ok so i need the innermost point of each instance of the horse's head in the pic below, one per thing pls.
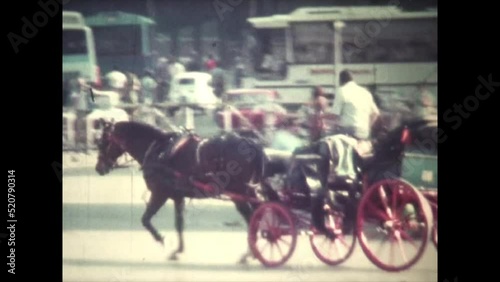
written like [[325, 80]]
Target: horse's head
[[109, 147], [391, 144]]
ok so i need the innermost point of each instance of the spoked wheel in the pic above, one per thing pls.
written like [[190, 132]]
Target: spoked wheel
[[435, 234], [435, 226], [272, 235], [333, 251], [393, 224]]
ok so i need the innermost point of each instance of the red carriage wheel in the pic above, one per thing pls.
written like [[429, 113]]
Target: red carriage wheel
[[393, 224], [333, 251], [435, 226], [435, 235], [272, 235]]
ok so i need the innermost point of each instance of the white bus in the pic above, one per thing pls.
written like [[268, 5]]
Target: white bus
[[79, 55], [389, 50]]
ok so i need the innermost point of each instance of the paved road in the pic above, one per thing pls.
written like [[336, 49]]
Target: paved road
[[103, 239]]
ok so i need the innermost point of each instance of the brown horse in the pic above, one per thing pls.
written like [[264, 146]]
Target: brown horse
[[178, 165]]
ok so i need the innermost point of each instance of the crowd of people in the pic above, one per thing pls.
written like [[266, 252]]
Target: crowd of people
[[153, 85]]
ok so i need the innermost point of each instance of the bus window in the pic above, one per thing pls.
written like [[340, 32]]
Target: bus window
[[74, 42], [401, 41], [118, 40], [268, 52], [313, 42]]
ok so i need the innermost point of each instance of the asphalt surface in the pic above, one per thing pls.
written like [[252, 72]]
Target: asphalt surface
[[103, 238]]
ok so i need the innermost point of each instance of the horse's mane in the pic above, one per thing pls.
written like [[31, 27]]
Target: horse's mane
[[133, 129]]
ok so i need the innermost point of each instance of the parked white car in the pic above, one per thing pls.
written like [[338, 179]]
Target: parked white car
[[195, 88]]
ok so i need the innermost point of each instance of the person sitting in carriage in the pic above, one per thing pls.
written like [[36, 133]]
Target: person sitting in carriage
[[354, 113]]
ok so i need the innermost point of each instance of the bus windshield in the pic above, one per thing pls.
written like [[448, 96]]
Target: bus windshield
[[118, 40], [74, 42]]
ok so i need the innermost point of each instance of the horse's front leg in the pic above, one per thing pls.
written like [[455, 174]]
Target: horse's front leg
[[157, 200], [245, 209], [179, 226]]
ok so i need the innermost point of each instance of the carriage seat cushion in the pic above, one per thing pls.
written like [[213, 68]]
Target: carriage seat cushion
[[364, 149]]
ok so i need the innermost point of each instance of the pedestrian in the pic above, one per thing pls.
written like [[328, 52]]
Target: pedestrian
[[149, 86], [218, 79], [162, 75], [80, 96], [319, 106], [239, 71], [210, 64]]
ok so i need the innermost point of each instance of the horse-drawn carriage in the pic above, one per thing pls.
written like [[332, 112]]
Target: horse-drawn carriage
[[375, 206], [391, 217]]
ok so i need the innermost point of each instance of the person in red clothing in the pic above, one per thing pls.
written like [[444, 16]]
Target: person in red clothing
[[211, 63], [319, 106]]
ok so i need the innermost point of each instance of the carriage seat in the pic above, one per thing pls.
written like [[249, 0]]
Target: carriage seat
[[277, 161], [347, 157]]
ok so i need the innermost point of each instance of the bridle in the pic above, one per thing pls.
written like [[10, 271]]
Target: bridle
[[112, 140]]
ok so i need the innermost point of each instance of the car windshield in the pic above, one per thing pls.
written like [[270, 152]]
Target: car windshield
[[102, 102], [186, 81]]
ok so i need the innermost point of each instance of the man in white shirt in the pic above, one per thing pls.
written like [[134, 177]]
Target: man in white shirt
[[354, 108], [354, 111]]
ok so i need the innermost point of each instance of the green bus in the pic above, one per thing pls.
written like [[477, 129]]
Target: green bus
[[79, 54], [123, 41]]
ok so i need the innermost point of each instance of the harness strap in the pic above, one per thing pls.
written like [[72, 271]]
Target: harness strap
[[198, 149], [148, 152]]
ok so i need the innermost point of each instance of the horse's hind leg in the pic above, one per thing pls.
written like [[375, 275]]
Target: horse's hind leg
[[179, 225], [156, 201]]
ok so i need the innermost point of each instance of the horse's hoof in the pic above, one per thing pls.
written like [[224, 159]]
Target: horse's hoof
[[243, 262], [161, 241], [173, 257]]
